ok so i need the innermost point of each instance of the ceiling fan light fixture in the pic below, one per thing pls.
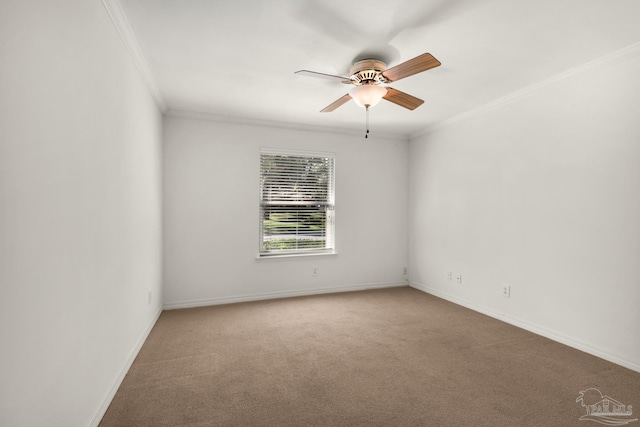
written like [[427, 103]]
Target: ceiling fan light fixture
[[367, 95]]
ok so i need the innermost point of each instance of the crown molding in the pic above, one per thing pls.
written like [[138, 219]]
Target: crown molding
[[529, 90], [120, 21], [281, 125]]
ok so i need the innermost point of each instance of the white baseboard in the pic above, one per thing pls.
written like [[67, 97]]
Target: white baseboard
[[273, 295], [531, 327], [106, 401]]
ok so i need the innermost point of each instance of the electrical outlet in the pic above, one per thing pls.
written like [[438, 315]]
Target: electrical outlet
[[314, 273], [404, 271], [459, 278], [506, 291], [450, 276]]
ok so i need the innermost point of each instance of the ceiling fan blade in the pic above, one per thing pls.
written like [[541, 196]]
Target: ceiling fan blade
[[323, 76], [335, 104], [413, 66], [402, 99]]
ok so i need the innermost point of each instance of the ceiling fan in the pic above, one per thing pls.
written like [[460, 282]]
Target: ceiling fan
[[368, 77]]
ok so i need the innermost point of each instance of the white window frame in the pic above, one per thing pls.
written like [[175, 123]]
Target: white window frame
[[294, 200]]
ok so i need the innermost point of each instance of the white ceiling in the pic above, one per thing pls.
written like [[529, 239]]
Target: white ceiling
[[237, 58]]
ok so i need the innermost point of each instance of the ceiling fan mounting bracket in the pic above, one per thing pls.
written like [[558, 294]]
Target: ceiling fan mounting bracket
[[367, 72]]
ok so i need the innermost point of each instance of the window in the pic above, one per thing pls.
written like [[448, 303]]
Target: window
[[296, 203]]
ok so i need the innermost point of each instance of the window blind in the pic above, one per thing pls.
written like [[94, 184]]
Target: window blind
[[296, 203]]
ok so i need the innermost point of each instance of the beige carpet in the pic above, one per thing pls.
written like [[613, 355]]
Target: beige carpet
[[390, 357]]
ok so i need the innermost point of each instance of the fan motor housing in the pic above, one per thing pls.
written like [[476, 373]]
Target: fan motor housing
[[367, 71]]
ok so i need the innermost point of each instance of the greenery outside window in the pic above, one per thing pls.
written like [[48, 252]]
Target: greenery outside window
[[296, 203]]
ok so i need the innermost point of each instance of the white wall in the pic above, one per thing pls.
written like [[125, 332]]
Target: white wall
[[79, 212], [211, 181], [543, 194]]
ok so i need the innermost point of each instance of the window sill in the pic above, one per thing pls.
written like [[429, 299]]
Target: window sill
[[282, 257]]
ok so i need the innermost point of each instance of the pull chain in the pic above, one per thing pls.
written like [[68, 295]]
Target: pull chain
[[366, 135]]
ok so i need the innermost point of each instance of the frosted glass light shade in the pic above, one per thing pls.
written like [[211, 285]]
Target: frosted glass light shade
[[367, 95]]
